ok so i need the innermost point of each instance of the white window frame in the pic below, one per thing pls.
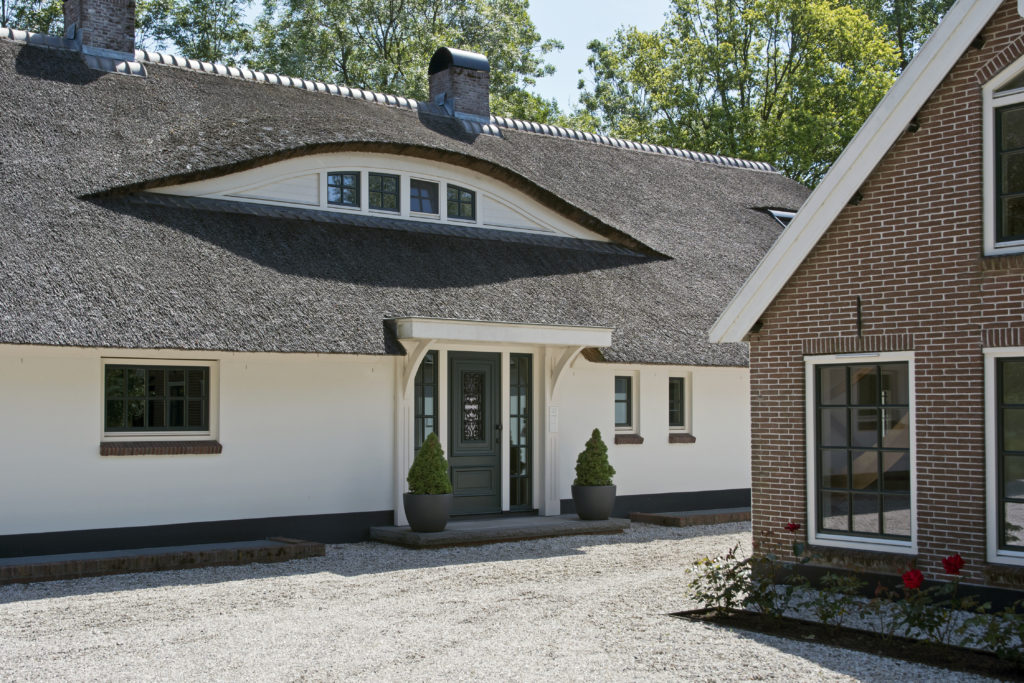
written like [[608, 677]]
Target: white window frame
[[991, 103], [687, 403], [994, 553], [213, 433], [634, 390], [845, 540]]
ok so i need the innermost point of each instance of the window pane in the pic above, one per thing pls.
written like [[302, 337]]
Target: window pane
[[896, 428], [114, 382], [156, 413], [621, 415], [833, 385], [422, 196], [896, 471], [622, 388], [156, 383], [375, 182], [1013, 172], [1012, 222], [1013, 476], [389, 184], [864, 383], [834, 469], [895, 385], [1013, 524], [865, 514], [865, 470], [1013, 382], [176, 414], [136, 381], [1013, 429], [865, 427], [196, 414], [833, 427], [136, 414], [1011, 120], [896, 521], [115, 414], [835, 510]]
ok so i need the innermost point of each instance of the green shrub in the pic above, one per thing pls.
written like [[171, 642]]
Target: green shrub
[[429, 471], [592, 466]]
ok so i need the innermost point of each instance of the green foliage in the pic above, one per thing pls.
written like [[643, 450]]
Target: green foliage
[[835, 599], [385, 45], [907, 23], [38, 16], [1002, 632], [208, 30], [429, 471], [720, 582], [783, 81], [592, 466]]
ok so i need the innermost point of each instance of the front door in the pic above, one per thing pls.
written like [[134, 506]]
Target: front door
[[474, 443]]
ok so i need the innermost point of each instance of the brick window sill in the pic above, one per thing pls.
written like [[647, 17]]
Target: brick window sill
[[681, 437], [635, 439], [160, 448]]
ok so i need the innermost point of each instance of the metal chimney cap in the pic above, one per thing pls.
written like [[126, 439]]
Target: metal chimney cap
[[446, 57]]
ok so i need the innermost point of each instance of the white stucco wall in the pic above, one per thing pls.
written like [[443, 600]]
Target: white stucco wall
[[719, 419], [302, 435]]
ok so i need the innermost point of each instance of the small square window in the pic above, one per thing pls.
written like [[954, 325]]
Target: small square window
[[676, 402], [343, 189], [623, 402], [423, 196], [461, 203], [384, 192]]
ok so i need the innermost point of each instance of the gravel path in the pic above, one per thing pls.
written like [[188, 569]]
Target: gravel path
[[588, 608]]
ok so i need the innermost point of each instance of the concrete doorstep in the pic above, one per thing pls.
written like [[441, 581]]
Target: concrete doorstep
[[692, 517], [496, 530], [79, 565]]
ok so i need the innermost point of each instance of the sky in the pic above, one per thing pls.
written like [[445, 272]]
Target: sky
[[576, 23]]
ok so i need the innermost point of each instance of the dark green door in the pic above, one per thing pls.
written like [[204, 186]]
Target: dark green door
[[474, 441]]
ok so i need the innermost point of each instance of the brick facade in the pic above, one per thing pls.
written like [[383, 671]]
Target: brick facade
[[912, 250], [105, 24]]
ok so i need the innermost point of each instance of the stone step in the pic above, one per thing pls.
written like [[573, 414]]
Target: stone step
[[692, 517]]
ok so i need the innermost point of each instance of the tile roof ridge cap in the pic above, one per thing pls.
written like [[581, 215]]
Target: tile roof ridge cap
[[598, 138]]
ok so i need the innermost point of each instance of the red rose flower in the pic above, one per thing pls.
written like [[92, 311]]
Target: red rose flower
[[792, 526], [913, 579], [953, 564]]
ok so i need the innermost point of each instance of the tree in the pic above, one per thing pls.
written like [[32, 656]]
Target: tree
[[908, 23], [385, 45], [207, 30], [38, 16], [783, 81]]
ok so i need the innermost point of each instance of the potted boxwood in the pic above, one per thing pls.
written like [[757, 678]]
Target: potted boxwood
[[430, 490], [593, 492]]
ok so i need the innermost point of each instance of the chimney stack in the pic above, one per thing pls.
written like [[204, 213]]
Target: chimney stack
[[105, 28], [460, 81]]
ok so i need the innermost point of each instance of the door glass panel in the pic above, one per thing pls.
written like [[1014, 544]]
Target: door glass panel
[[865, 427], [1013, 382], [833, 427], [896, 471], [472, 406], [520, 426], [896, 428], [864, 382], [833, 385]]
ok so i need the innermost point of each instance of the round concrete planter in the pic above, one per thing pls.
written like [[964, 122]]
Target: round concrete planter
[[594, 502], [427, 513]]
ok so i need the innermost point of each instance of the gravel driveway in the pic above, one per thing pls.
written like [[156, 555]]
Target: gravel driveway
[[574, 608]]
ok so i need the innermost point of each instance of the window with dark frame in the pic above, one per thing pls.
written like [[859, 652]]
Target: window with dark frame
[[676, 402], [423, 196], [862, 446], [461, 203], [1010, 450], [1009, 141], [148, 398], [520, 432], [425, 399], [623, 402], [383, 191], [343, 189]]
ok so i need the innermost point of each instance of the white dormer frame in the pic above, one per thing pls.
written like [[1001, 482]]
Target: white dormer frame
[[991, 102], [498, 206]]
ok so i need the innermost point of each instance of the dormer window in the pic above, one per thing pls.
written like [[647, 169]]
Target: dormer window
[[461, 203], [384, 192], [423, 197], [343, 189]]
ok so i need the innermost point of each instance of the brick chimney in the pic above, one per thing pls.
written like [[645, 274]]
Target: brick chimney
[[460, 81], [106, 28]]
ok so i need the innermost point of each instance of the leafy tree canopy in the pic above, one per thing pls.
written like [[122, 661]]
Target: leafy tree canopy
[[783, 81], [385, 45], [208, 30], [907, 23], [38, 16]]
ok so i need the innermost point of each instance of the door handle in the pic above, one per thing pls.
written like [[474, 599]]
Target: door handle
[[497, 433]]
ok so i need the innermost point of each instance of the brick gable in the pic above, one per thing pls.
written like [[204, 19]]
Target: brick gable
[[912, 251]]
